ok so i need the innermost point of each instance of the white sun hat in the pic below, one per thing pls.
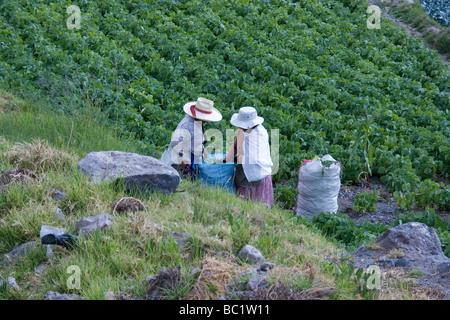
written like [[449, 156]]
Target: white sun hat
[[203, 109], [246, 118]]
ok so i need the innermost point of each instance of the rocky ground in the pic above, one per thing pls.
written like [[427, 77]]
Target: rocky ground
[[387, 208], [416, 253]]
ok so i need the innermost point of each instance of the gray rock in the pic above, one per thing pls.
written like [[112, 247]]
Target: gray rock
[[142, 172], [250, 254], [90, 224], [256, 283], [401, 263], [49, 252], [444, 268], [41, 268], [45, 230], [195, 271], [266, 266], [180, 238], [411, 237], [58, 196], [386, 262], [15, 254], [11, 281], [51, 295], [59, 214], [244, 295]]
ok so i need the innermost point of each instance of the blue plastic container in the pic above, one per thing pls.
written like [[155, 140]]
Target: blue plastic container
[[217, 174]]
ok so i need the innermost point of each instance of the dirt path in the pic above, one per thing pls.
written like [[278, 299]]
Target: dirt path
[[409, 30]]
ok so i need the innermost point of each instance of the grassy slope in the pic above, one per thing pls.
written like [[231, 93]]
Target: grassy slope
[[311, 68], [136, 245]]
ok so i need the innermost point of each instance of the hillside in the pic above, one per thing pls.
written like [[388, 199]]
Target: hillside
[[140, 243], [312, 68], [377, 100]]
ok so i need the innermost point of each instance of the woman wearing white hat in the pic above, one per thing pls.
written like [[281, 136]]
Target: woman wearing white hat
[[251, 152], [187, 143]]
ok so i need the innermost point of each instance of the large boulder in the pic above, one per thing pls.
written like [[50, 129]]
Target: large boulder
[[142, 172], [420, 248], [412, 237]]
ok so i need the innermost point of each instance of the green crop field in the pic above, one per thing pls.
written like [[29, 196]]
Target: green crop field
[[377, 100], [312, 69]]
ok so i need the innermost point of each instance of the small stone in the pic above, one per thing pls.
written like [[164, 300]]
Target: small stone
[[401, 263], [195, 271], [49, 253], [434, 252], [179, 237], [388, 263], [266, 266], [58, 196], [11, 281], [59, 214], [250, 254], [94, 223], [15, 254], [45, 230], [256, 283], [41, 268], [51, 295]]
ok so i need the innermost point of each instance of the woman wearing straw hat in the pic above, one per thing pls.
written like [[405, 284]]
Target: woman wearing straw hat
[[251, 152], [187, 143]]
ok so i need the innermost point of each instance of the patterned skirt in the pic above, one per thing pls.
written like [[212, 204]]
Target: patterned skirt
[[262, 193]]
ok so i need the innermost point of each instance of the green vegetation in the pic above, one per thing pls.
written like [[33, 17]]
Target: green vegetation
[[365, 201], [137, 244], [376, 100], [340, 228], [435, 34], [311, 68]]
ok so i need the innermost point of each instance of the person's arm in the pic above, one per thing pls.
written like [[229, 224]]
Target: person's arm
[[231, 153]]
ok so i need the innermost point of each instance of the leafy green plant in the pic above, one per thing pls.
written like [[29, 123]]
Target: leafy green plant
[[365, 201], [342, 229]]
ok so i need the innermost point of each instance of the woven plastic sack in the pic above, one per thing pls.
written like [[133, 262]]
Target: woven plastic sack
[[217, 174], [318, 187]]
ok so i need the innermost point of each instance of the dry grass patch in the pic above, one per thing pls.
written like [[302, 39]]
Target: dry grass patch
[[213, 280], [38, 156], [127, 204]]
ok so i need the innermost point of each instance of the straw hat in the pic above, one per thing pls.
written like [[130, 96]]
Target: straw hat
[[203, 109], [246, 118]]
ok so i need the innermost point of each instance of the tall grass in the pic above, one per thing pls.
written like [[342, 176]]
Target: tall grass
[[82, 133]]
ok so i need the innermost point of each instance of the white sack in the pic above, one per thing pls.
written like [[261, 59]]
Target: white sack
[[318, 187]]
